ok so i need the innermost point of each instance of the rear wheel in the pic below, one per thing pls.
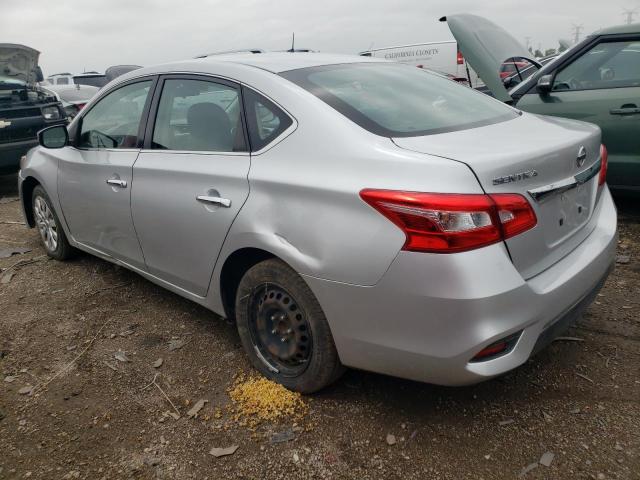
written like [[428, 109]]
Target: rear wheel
[[284, 330], [52, 235]]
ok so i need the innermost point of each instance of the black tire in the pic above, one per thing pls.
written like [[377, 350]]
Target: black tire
[[47, 222], [272, 286]]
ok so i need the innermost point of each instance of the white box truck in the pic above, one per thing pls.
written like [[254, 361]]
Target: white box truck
[[442, 57]]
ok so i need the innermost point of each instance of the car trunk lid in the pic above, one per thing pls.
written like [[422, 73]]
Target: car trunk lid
[[486, 46], [536, 157]]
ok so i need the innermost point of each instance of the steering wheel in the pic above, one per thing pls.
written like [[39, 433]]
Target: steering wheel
[[569, 84], [575, 84], [101, 136]]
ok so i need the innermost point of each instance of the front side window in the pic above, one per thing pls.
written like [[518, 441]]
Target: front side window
[[198, 115], [606, 65], [115, 120], [265, 120], [395, 100], [62, 81]]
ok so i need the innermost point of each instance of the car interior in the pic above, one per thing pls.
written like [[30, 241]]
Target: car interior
[[197, 115]]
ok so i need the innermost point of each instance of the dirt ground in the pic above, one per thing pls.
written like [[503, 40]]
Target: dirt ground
[[579, 400]]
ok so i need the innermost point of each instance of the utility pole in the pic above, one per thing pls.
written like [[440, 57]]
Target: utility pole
[[528, 40], [576, 31], [629, 14]]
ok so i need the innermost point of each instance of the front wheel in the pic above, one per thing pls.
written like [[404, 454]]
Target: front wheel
[[51, 233], [284, 330]]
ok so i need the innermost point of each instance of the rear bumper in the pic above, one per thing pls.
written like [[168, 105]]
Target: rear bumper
[[430, 314], [10, 154]]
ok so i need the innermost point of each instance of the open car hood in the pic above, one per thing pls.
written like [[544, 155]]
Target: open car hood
[[19, 62], [486, 46]]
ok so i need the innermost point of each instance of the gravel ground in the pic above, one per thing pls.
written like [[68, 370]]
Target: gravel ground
[[575, 406]]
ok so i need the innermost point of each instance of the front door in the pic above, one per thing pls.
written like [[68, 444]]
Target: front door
[[190, 179], [601, 86], [95, 175]]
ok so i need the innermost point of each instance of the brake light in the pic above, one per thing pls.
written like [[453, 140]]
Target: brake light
[[604, 163], [449, 223], [515, 213], [460, 58]]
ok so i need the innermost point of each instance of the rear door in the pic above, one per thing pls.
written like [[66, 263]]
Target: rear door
[[601, 85], [95, 175], [190, 178]]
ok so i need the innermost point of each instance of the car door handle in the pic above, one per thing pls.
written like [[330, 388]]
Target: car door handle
[[117, 183], [625, 110], [224, 202]]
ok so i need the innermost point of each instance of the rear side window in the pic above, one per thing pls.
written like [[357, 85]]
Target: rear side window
[[265, 120], [395, 100], [198, 115]]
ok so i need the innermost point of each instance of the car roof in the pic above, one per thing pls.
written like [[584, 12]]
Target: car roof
[[278, 62], [618, 29]]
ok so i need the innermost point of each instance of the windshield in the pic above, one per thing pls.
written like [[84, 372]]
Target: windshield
[[9, 83], [395, 100]]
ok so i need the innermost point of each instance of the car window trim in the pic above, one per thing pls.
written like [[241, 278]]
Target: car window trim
[[143, 118], [558, 71], [286, 132], [566, 60], [207, 75], [155, 103]]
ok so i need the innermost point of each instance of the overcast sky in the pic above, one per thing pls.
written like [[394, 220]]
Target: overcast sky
[[79, 35]]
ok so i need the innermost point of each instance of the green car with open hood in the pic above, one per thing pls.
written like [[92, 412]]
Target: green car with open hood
[[597, 81]]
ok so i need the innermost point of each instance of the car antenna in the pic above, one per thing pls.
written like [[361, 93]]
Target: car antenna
[[293, 42]]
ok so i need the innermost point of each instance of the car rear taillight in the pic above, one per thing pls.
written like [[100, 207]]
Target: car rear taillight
[[449, 223], [604, 163], [514, 212], [459, 58]]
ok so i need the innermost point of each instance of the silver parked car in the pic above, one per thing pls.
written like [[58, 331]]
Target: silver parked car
[[344, 211]]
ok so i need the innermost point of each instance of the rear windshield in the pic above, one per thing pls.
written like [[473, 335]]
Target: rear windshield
[[395, 100]]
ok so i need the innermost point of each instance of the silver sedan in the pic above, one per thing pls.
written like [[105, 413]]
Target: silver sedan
[[344, 211]]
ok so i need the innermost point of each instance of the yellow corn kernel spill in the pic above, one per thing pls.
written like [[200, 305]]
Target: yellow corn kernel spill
[[260, 399]]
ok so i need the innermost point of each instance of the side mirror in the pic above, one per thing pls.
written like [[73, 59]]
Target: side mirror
[[54, 137], [545, 84]]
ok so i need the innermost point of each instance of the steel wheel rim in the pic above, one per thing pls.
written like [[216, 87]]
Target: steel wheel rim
[[280, 330], [46, 223]]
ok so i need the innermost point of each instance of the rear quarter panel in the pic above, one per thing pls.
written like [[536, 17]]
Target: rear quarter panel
[[304, 204]]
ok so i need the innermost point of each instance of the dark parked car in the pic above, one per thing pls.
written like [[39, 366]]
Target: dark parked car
[[597, 81], [25, 107]]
